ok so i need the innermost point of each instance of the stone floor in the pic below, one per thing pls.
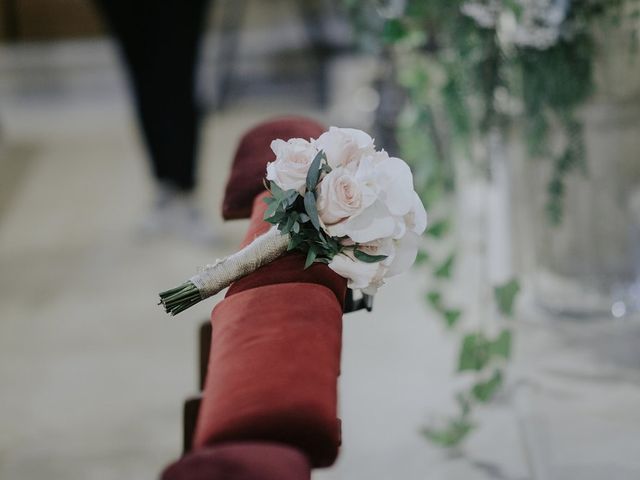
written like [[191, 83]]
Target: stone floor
[[92, 373]]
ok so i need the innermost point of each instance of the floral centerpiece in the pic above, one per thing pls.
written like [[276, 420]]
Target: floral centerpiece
[[335, 198]]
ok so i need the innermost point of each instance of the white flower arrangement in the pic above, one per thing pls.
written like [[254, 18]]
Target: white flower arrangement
[[525, 23], [337, 199]]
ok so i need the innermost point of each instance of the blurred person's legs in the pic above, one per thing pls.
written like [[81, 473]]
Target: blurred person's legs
[[160, 41]]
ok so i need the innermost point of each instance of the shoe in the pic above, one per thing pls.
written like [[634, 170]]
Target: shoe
[[176, 214]]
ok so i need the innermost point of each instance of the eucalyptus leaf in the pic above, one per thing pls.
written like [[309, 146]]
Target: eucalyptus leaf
[[311, 209], [313, 174], [365, 257], [271, 210], [311, 256], [275, 190], [290, 197], [294, 242]]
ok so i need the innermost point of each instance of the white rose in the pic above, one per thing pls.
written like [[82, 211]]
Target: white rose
[[344, 145], [391, 198], [359, 274], [364, 275], [341, 194], [395, 182], [405, 253], [293, 159], [416, 219]]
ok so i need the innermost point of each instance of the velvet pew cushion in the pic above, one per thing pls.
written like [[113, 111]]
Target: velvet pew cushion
[[252, 155], [241, 461], [273, 370], [288, 268]]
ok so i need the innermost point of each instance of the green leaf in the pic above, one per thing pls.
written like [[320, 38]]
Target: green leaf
[[304, 218], [365, 257], [296, 227], [394, 30], [311, 256], [485, 391], [451, 317], [452, 434], [275, 190], [501, 346], [422, 257], [288, 225], [313, 174], [446, 268], [438, 229], [505, 296], [270, 211], [294, 242], [311, 209], [290, 197], [474, 354], [435, 299]]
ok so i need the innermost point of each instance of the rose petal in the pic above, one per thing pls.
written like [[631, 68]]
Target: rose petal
[[373, 223], [405, 254], [397, 185]]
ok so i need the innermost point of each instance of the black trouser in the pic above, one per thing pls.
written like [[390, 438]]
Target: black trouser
[[160, 42]]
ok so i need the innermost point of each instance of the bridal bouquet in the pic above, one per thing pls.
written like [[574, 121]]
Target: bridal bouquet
[[338, 200]]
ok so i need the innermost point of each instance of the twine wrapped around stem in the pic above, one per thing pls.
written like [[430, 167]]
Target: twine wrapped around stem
[[219, 275]]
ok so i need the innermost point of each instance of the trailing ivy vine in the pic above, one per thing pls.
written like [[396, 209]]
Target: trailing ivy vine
[[469, 69]]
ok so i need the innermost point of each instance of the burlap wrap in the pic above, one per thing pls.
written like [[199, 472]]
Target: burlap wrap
[[264, 249]]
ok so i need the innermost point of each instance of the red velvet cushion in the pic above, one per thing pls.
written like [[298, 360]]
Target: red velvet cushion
[[288, 268], [251, 158], [273, 370], [241, 461]]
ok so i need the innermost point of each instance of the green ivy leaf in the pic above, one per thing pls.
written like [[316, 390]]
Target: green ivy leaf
[[451, 317], [501, 346], [505, 296], [474, 354], [365, 257], [311, 209], [394, 30], [452, 434], [446, 268], [422, 257], [485, 391], [438, 229], [313, 174], [435, 299]]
